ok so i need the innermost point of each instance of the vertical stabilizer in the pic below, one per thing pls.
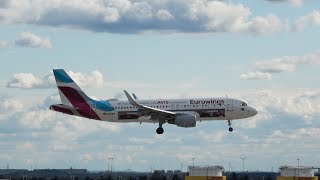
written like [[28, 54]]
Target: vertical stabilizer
[[75, 99], [70, 93]]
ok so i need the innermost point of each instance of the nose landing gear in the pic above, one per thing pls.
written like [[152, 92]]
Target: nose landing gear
[[229, 124]]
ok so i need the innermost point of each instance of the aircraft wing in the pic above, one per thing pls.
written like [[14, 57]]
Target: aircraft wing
[[154, 112]]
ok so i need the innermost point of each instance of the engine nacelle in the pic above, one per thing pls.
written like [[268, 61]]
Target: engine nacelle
[[186, 120]]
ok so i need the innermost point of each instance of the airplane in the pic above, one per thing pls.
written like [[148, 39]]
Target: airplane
[[180, 112]]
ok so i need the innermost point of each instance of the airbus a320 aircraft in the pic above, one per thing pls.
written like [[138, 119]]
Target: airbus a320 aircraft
[[181, 112]]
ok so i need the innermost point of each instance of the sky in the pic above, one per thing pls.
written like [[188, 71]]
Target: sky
[[265, 52]]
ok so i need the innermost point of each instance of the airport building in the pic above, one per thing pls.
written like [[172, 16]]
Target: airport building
[[205, 173], [296, 173]]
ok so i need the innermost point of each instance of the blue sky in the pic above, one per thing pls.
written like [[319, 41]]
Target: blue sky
[[265, 52]]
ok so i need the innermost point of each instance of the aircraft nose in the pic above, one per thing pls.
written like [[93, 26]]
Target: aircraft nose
[[254, 111]]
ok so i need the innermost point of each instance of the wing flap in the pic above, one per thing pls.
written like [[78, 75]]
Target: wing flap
[[154, 111]]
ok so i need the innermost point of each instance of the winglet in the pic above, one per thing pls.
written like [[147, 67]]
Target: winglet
[[134, 96], [131, 100]]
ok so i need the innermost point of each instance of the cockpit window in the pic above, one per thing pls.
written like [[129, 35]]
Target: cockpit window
[[243, 104]]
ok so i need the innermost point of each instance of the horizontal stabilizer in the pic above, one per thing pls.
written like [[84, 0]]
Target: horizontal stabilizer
[[62, 108]]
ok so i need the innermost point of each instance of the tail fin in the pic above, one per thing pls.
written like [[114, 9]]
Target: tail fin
[[72, 96], [70, 93]]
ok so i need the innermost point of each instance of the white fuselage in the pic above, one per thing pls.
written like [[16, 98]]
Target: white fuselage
[[204, 108]]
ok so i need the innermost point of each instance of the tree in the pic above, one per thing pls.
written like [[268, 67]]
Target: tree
[[234, 176], [246, 177], [269, 177], [156, 176], [175, 177], [143, 177], [109, 177]]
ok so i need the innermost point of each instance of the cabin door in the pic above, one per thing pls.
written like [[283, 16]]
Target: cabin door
[[230, 105]]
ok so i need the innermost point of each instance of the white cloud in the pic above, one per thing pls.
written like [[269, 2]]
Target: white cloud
[[49, 100], [297, 2], [140, 11], [128, 16], [30, 81], [293, 2], [95, 78], [4, 44], [92, 79], [28, 39], [309, 19], [302, 104], [265, 69], [276, 65], [26, 147], [287, 63], [112, 15], [268, 24], [141, 140], [256, 75], [86, 157], [281, 136], [305, 105], [213, 137], [9, 104], [37, 119], [219, 16], [164, 15]]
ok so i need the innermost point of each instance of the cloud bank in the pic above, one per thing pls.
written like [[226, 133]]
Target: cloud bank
[[28, 39], [264, 69], [130, 16], [63, 139], [8, 104], [256, 75], [312, 19], [92, 79], [30, 81], [293, 2]]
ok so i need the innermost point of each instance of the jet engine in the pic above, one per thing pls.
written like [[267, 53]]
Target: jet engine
[[186, 120]]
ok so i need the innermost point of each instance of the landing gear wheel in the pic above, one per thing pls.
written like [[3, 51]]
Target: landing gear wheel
[[229, 124], [160, 130]]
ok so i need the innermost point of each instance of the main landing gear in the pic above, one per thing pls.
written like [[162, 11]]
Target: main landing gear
[[160, 129], [230, 128]]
